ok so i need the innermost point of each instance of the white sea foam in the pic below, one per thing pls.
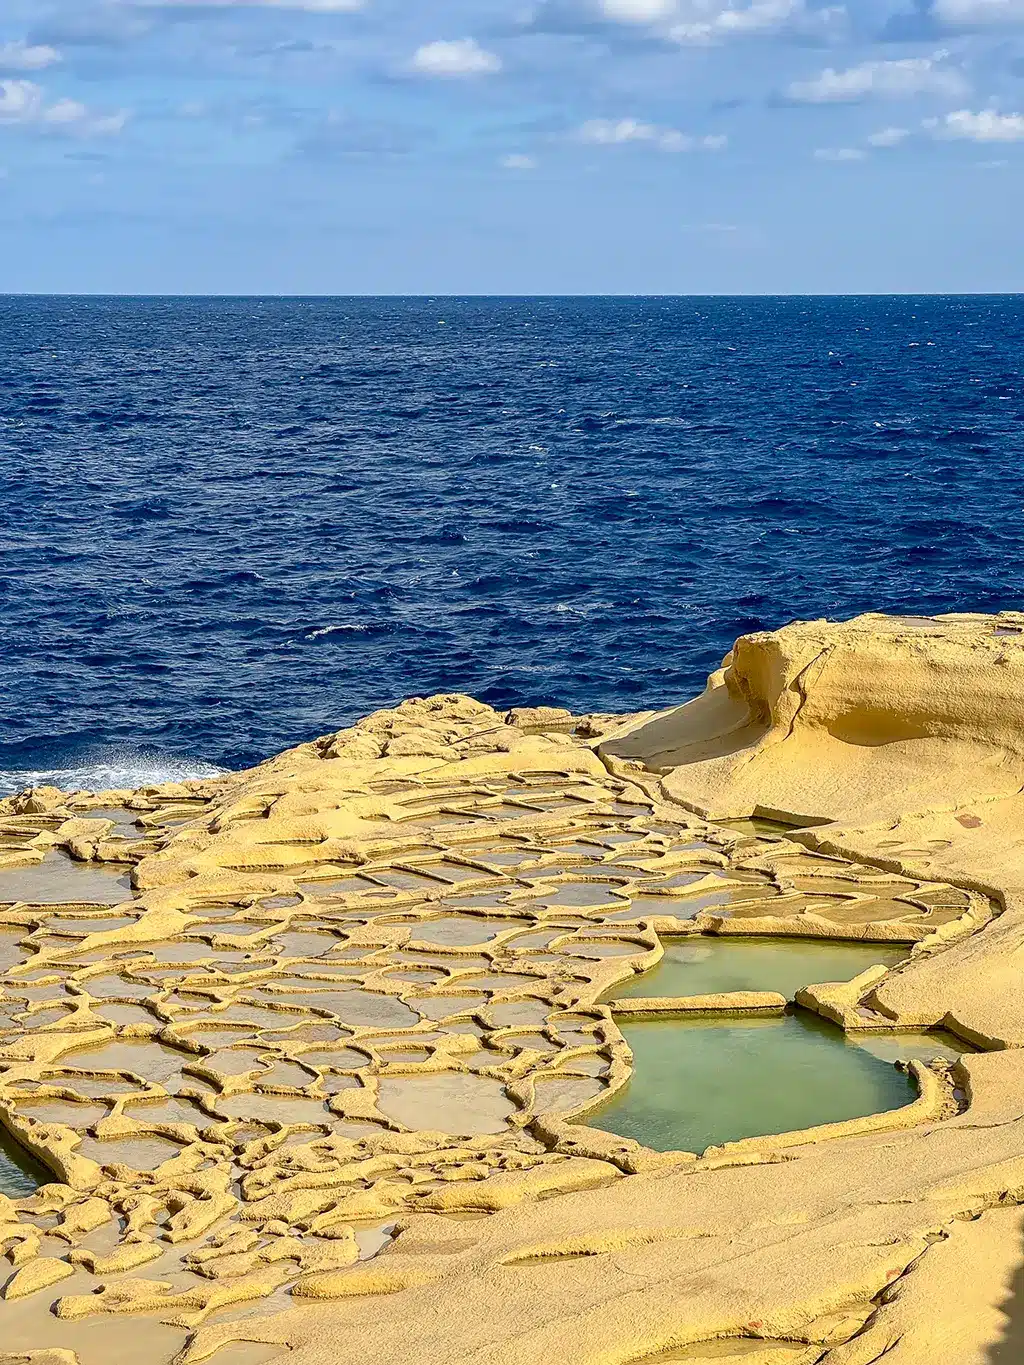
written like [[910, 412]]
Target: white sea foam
[[115, 770], [336, 630]]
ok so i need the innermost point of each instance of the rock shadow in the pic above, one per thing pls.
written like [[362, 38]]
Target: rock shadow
[[1009, 1350]]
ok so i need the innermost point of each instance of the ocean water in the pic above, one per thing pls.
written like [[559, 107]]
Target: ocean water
[[229, 525]]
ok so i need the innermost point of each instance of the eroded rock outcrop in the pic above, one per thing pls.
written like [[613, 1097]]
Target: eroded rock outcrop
[[876, 716]]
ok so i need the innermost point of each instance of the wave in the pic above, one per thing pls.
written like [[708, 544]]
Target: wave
[[169, 629], [110, 771]]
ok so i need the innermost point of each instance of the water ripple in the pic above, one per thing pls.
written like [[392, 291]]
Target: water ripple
[[230, 524]]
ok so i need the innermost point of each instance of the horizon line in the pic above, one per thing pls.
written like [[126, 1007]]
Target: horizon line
[[431, 295]]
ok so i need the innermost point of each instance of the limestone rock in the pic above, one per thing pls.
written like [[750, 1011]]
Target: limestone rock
[[38, 1274]]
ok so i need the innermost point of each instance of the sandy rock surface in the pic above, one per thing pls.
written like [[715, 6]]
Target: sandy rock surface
[[313, 1057]]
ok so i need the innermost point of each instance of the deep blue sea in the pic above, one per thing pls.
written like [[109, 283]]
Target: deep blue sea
[[229, 525]]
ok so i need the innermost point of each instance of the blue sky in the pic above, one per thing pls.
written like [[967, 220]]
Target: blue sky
[[511, 146]]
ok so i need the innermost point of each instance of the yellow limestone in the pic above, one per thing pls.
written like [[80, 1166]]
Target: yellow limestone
[[317, 1088]]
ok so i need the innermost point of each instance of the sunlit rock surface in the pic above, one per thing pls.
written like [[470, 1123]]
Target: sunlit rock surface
[[309, 1052]]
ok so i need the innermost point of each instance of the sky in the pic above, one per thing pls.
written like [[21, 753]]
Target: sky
[[511, 146]]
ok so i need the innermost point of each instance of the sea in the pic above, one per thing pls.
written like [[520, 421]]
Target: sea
[[232, 524]]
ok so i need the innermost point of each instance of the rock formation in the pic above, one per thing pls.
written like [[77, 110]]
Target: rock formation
[[324, 1082]]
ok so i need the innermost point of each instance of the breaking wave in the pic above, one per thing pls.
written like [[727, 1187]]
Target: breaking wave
[[103, 774]]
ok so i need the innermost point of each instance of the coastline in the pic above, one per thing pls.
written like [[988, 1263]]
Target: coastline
[[818, 1240]]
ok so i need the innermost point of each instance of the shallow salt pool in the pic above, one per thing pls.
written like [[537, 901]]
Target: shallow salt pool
[[59, 880], [20, 1175], [705, 966], [705, 1081]]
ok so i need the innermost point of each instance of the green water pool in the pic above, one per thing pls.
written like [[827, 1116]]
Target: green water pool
[[701, 1082], [20, 1175], [704, 965]]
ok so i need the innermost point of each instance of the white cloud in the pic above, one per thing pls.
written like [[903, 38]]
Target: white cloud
[[638, 11], [20, 101], [889, 137], [885, 80], [840, 154], [760, 17], [516, 161], [979, 13], [21, 56], [311, 6], [606, 132], [704, 22], [24, 103], [460, 57], [985, 126]]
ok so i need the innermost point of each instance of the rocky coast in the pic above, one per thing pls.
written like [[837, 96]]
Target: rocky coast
[[321, 1061]]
